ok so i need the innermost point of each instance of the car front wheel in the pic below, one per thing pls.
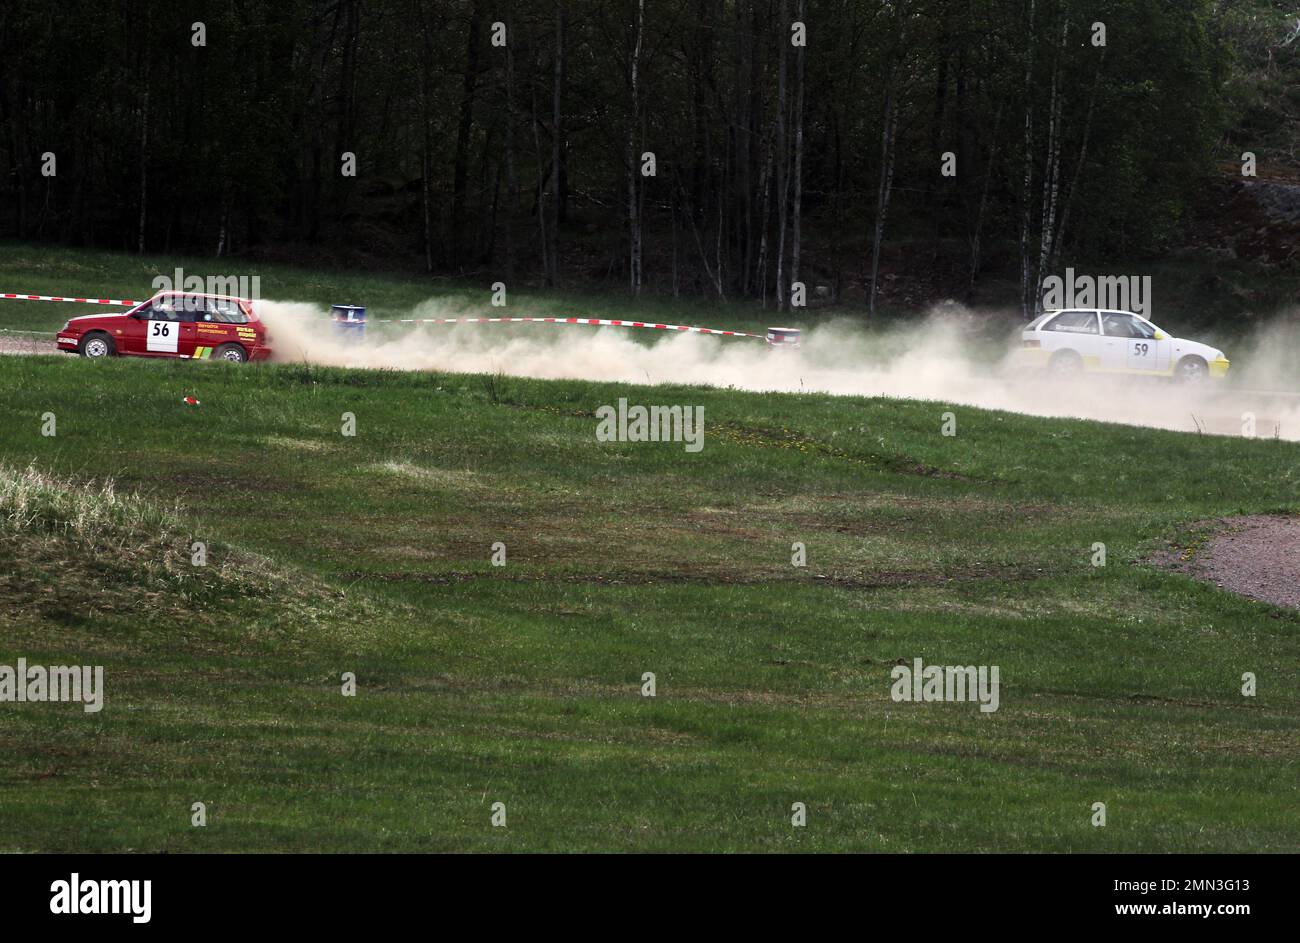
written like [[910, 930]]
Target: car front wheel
[[1191, 370], [231, 352], [97, 345]]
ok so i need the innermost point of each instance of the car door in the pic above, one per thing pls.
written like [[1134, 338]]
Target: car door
[[1114, 342], [1131, 344], [192, 310], [130, 337], [162, 334], [1150, 353], [213, 328]]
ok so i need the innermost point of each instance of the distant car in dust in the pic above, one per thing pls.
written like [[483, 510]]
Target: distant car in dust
[[1073, 341], [184, 325]]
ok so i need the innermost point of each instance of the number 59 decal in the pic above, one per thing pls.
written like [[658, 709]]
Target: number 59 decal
[[1141, 349]]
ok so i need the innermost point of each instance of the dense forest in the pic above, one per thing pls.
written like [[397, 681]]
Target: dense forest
[[717, 147]]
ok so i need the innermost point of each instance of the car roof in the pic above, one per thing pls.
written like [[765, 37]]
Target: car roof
[[198, 294], [1097, 310]]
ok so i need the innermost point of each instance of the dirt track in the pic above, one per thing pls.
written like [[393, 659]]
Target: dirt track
[[27, 343], [1256, 556]]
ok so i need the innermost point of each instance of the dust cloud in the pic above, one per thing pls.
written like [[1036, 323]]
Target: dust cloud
[[943, 358]]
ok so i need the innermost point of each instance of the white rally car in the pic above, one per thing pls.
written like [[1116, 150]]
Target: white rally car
[[1074, 340]]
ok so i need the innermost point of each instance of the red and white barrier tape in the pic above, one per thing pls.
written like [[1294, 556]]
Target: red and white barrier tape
[[599, 322], [86, 301]]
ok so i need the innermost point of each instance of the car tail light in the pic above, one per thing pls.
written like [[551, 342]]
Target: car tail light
[[1031, 343]]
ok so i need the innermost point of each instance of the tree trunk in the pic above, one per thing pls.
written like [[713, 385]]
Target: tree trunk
[[633, 162], [672, 208], [740, 150], [225, 222], [796, 234], [144, 138], [837, 210], [144, 169], [783, 156], [465, 124], [1051, 176], [1082, 160], [715, 278], [978, 228], [888, 136], [351, 10], [541, 193], [765, 188], [753, 146], [1025, 306], [426, 152], [512, 180], [717, 252], [557, 136], [882, 194]]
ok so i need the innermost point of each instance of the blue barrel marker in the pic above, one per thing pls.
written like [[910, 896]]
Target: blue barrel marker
[[783, 338], [349, 321]]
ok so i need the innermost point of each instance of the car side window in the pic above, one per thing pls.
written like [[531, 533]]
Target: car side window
[[167, 308], [1117, 324], [225, 312], [192, 308], [1074, 322]]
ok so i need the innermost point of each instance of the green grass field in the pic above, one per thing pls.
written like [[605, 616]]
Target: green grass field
[[521, 684]]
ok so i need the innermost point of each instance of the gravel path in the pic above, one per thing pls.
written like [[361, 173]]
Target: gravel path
[[1257, 556], [23, 343]]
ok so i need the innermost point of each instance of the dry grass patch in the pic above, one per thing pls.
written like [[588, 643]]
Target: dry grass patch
[[72, 552]]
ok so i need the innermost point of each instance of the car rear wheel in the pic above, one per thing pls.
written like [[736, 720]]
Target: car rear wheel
[[1065, 363], [1191, 370], [97, 344], [231, 352]]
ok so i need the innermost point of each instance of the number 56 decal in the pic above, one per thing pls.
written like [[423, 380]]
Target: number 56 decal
[[162, 336]]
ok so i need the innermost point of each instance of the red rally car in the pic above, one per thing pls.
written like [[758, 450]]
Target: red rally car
[[173, 324]]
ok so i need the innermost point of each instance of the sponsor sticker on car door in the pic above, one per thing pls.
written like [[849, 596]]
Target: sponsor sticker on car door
[[218, 325]]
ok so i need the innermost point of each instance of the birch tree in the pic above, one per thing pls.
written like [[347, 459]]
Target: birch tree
[[634, 182]]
